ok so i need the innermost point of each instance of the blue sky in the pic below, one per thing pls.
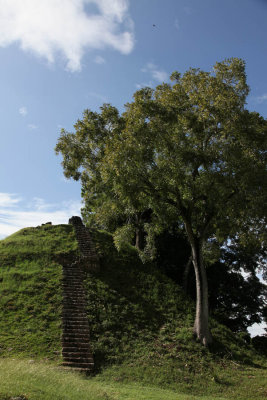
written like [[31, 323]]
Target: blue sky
[[59, 57]]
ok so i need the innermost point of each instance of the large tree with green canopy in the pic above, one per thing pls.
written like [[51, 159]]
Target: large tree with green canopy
[[190, 151]]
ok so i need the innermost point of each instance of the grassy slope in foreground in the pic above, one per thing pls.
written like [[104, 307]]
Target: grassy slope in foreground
[[43, 381], [30, 301]]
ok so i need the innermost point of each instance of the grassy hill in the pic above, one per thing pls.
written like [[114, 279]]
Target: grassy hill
[[140, 321], [30, 302]]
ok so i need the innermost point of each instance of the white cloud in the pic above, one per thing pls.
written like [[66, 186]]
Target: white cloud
[[158, 74], [32, 126], [97, 96], [16, 214], [23, 110], [66, 27], [99, 60], [144, 84], [8, 200], [261, 99]]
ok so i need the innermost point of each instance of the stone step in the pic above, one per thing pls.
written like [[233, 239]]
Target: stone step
[[79, 327], [70, 314], [87, 365], [77, 272], [74, 301], [74, 297], [71, 335], [72, 284], [75, 269], [83, 353], [67, 335], [82, 358], [75, 326], [70, 290], [77, 345], [75, 311], [71, 276], [67, 324], [72, 318], [71, 272], [75, 342], [74, 346], [74, 308], [78, 293], [66, 328], [75, 330], [73, 287]]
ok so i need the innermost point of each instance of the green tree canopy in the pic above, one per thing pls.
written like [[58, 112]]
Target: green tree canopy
[[189, 151]]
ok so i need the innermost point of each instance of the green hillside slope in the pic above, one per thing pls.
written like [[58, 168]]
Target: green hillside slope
[[140, 321], [30, 292]]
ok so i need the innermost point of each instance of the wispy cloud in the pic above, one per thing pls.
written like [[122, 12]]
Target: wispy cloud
[[67, 27], [16, 213], [99, 60], [23, 110], [8, 200], [158, 74], [261, 99], [144, 84], [32, 126], [97, 96]]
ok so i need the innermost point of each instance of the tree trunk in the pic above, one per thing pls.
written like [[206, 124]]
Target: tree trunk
[[201, 325], [139, 238], [186, 274]]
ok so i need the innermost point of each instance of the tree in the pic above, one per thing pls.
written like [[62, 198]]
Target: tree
[[236, 300], [190, 152], [83, 155]]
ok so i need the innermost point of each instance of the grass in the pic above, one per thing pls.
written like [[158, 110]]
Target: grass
[[33, 380], [39, 241], [30, 302], [140, 322]]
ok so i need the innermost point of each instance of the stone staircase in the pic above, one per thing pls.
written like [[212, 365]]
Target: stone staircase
[[89, 256], [76, 350]]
